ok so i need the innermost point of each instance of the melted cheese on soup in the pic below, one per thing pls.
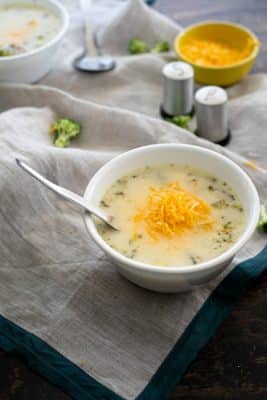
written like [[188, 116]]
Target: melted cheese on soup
[[172, 216], [26, 27]]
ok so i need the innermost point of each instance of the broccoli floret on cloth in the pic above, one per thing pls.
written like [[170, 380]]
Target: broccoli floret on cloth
[[64, 130], [137, 46], [262, 224], [161, 47], [180, 120]]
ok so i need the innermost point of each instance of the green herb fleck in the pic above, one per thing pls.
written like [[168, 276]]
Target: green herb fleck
[[220, 204], [237, 207], [194, 259], [104, 204], [133, 253]]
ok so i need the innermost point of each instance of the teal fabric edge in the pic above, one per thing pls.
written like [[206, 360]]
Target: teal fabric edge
[[201, 329], [51, 364], [79, 385]]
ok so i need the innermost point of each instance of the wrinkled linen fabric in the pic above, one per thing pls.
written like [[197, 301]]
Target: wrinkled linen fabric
[[54, 281]]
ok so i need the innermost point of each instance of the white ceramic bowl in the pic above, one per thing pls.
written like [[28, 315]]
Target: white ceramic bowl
[[174, 279], [32, 65]]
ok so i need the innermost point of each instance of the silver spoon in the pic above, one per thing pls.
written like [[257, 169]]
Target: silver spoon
[[68, 195], [92, 60]]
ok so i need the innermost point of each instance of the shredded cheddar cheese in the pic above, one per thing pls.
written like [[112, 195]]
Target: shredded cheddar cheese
[[171, 210], [17, 37], [251, 164], [214, 53]]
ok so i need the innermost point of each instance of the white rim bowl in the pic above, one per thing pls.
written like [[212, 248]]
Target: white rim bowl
[[96, 183]]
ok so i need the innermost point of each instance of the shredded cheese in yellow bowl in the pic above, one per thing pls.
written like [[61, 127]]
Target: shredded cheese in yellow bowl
[[215, 53], [221, 53]]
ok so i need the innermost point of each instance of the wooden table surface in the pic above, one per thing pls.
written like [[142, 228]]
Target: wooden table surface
[[233, 366]]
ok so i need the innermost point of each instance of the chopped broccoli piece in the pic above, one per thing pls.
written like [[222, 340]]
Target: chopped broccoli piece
[[11, 50], [262, 224], [161, 47], [137, 46], [180, 120], [5, 52], [64, 130]]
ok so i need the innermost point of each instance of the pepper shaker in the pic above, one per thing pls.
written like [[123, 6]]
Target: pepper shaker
[[212, 114], [178, 87]]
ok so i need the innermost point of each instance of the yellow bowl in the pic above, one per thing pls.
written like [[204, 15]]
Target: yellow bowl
[[228, 33]]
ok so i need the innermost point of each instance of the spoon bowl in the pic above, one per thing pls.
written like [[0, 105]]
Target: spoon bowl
[[86, 63], [92, 60]]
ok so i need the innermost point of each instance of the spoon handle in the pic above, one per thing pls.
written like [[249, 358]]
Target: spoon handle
[[65, 193], [90, 45]]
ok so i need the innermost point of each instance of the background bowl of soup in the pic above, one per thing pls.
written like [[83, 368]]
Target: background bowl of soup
[[163, 165], [31, 32]]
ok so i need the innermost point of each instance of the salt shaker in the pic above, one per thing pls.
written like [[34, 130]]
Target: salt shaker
[[178, 87], [212, 114]]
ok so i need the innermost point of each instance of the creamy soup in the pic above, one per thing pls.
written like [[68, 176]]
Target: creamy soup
[[25, 27], [172, 216]]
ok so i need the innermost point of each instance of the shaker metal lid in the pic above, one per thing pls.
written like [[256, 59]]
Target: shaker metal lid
[[178, 70], [211, 95]]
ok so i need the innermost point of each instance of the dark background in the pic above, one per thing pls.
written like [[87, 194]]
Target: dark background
[[234, 364]]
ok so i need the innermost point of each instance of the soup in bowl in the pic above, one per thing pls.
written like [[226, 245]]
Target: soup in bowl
[[26, 27], [30, 34], [182, 212]]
